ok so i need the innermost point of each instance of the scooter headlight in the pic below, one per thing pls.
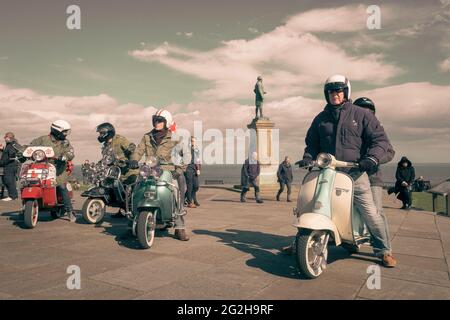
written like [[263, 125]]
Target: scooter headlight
[[324, 160], [145, 171], [38, 156]]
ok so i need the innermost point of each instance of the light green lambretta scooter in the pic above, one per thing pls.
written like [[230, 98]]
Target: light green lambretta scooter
[[154, 202], [325, 209]]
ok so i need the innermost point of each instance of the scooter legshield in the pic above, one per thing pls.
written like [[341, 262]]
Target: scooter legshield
[[314, 221]]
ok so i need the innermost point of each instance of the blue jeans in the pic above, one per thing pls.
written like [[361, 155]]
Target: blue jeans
[[364, 203], [377, 193]]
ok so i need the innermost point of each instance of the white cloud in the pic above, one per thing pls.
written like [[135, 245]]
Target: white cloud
[[342, 19], [415, 116], [444, 65], [185, 34], [287, 50]]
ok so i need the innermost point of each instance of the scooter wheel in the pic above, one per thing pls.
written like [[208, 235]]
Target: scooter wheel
[[31, 213], [145, 229], [311, 256], [93, 210]]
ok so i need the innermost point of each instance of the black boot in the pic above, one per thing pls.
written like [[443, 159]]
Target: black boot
[[258, 198], [278, 196], [195, 201], [243, 199]]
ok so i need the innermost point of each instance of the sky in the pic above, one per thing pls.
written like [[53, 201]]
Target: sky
[[200, 59]]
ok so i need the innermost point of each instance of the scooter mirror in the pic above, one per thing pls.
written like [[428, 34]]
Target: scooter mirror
[[324, 160]]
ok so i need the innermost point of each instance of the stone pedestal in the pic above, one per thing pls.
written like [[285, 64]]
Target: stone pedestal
[[264, 139]]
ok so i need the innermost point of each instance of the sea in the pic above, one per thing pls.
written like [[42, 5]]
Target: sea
[[230, 174]]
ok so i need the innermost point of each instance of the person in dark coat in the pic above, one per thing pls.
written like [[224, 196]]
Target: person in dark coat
[[2, 186], [405, 176], [192, 172], [285, 177], [249, 175], [376, 179], [10, 164], [352, 134]]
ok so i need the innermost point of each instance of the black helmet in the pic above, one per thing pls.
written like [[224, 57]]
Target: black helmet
[[365, 103], [106, 131]]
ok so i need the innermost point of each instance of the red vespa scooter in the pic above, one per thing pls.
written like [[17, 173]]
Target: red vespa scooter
[[38, 186]]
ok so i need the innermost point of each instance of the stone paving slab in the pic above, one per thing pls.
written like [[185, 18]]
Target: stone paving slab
[[234, 253]]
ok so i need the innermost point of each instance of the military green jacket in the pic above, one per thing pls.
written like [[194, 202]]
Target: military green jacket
[[172, 153], [123, 151], [61, 149]]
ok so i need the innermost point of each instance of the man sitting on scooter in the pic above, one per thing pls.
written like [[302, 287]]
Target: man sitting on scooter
[[343, 130], [57, 139], [122, 150], [162, 144]]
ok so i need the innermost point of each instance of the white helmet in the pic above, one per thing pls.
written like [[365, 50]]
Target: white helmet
[[166, 117], [337, 82], [60, 129]]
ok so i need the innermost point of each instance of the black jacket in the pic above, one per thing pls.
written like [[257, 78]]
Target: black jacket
[[284, 173], [249, 171], [407, 174], [356, 134], [8, 159], [376, 179]]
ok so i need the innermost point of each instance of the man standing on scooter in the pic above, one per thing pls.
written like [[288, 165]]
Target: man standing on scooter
[[122, 150], [57, 139], [171, 152], [343, 129]]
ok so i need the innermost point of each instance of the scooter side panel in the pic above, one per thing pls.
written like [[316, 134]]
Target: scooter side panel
[[305, 200], [341, 204]]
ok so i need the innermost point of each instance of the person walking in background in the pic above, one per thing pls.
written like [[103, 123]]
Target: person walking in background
[[405, 176], [285, 178], [192, 173], [10, 164], [249, 175]]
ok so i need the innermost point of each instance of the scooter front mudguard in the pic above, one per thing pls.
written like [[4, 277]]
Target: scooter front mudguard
[[314, 221], [32, 193]]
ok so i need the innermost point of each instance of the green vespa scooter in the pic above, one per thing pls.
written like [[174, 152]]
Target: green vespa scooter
[[155, 202], [325, 211]]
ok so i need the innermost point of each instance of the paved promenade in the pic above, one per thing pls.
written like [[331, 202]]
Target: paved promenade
[[233, 254]]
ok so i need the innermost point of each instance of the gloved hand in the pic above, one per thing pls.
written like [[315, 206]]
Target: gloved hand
[[305, 162], [368, 165], [134, 164]]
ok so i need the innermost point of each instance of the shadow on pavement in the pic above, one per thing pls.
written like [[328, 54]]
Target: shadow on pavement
[[17, 218], [122, 233], [262, 246]]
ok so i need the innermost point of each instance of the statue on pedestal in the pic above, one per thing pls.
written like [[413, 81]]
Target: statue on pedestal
[[259, 97]]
